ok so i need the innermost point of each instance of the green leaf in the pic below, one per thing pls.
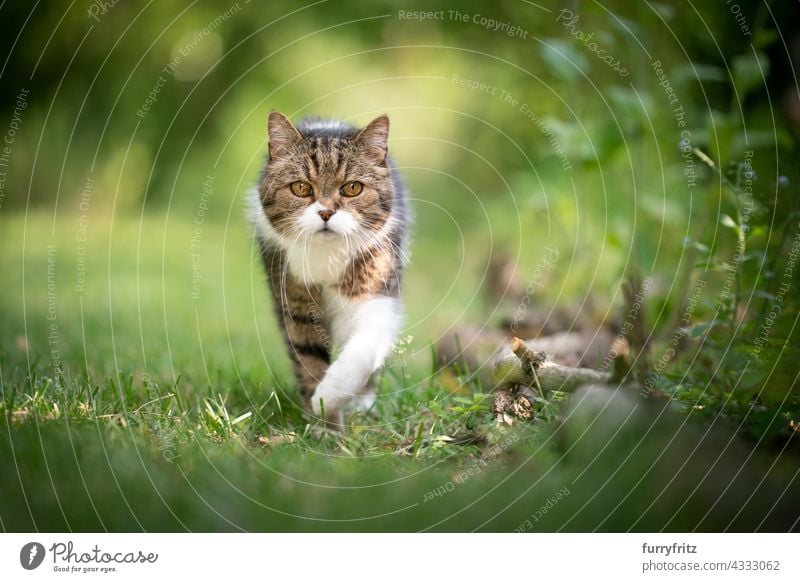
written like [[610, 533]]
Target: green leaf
[[755, 255], [749, 71], [729, 222], [563, 59], [764, 295], [764, 38], [700, 72], [462, 400], [701, 329]]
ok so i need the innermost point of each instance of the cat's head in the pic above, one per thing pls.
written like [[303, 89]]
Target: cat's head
[[327, 180]]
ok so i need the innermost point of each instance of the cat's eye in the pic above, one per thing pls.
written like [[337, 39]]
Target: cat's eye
[[352, 189], [301, 188]]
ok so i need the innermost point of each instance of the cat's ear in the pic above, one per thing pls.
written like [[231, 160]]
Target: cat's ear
[[374, 139], [282, 135]]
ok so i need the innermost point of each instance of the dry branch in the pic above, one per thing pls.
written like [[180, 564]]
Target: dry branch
[[527, 363], [474, 351]]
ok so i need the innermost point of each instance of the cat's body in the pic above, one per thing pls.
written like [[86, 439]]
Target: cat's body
[[331, 219]]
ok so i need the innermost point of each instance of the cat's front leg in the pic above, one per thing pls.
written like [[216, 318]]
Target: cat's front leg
[[370, 328]]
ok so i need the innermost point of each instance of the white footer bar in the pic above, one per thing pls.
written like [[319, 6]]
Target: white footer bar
[[386, 557]]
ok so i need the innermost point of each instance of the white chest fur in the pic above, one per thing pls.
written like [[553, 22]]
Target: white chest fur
[[318, 261]]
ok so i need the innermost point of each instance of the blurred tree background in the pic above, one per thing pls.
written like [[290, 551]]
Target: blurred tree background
[[652, 141], [148, 99]]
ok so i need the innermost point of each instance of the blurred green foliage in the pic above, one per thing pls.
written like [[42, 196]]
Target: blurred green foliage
[[513, 135]]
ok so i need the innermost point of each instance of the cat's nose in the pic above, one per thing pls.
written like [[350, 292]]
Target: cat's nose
[[326, 214]]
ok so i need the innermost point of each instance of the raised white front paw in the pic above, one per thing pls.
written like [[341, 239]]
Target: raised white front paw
[[328, 397], [364, 401], [316, 403]]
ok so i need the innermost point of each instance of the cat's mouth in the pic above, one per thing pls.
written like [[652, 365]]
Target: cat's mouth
[[326, 230]]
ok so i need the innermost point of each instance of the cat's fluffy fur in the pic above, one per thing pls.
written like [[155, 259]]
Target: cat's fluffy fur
[[335, 282]]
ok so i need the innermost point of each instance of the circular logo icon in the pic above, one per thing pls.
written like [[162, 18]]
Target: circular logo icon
[[31, 555]]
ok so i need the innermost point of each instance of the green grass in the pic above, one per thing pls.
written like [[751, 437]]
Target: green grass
[[172, 411]]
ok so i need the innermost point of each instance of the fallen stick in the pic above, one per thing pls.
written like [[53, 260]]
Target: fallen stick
[[473, 352], [526, 363]]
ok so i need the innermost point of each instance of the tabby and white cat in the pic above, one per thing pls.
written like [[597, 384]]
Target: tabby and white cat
[[331, 218]]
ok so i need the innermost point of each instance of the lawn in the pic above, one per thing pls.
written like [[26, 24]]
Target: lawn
[[134, 399]]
